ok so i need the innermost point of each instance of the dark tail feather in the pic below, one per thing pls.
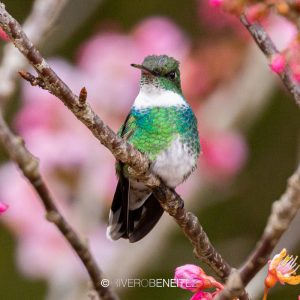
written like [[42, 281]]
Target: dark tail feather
[[143, 219], [118, 215], [131, 224]]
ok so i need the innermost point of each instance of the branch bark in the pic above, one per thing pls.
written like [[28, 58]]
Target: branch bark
[[267, 46], [123, 151]]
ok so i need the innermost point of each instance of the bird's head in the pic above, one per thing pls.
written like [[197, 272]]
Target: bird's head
[[160, 71]]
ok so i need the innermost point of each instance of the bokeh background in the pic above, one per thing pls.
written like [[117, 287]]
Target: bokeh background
[[249, 128]]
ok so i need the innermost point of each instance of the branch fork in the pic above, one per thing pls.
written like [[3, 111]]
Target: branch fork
[[33, 80]]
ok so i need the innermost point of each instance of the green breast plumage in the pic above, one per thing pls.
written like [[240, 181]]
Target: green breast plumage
[[153, 129]]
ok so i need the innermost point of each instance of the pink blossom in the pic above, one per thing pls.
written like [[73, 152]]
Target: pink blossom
[[3, 207], [202, 296], [189, 276], [44, 251], [281, 31], [193, 278], [256, 12], [295, 67], [3, 35], [217, 19], [192, 69], [215, 3], [293, 56], [106, 59], [159, 35], [21, 198], [224, 154], [26, 209], [277, 63]]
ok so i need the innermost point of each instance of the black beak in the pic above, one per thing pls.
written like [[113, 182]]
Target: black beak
[[143, 68]]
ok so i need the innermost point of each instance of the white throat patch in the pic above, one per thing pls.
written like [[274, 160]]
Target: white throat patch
[[150, 96]]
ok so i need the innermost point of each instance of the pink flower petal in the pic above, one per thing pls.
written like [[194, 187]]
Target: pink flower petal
[[277, 63], [3, 35], [224, 154], [215, 3], [189, 277], [3, 207], [202, 296]]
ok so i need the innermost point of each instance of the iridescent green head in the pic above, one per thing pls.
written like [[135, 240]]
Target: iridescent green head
[[161, 71]]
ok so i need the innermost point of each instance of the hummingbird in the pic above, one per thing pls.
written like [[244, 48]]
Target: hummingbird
[[162, 125]]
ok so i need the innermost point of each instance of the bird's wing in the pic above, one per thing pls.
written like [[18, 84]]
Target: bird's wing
[[128, 128], [134, 210]]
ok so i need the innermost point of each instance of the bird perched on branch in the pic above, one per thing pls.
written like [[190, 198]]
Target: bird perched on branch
[[162, 125]]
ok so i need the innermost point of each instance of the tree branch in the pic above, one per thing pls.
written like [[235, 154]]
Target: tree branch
[[44, 13], [283, 210], [122, 150], [267, 46], [29, 165]]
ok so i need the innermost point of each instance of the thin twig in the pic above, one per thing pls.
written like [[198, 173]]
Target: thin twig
[[34, 81], [267, 46], [44, 13], [283, 212], [122, 150], [29, 165], [234, 288]]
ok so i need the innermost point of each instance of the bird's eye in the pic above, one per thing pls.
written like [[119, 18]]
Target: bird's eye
[[171, 75]]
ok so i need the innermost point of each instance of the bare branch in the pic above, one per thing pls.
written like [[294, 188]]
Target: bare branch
[[29, 165], [122, 150]]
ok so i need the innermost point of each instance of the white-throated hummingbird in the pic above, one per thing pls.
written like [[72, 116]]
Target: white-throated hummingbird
[[162, 125]]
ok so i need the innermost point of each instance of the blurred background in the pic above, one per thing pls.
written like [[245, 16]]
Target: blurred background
[[249, 128]]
